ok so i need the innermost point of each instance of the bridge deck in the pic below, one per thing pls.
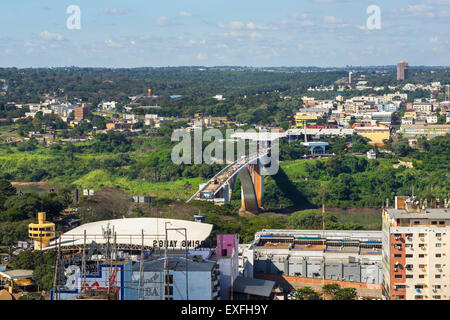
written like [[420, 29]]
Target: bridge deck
[[218, 181]]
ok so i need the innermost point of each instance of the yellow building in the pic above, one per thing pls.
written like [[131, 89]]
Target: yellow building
[[410, 114], [301, 117], [375, 134], [41, 232]]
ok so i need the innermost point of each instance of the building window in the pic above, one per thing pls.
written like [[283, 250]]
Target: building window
[[409, 276], [437, 265], [398, 276], [409, 256], [416, 222], [421, 276], [421, 245], [441, 222], [418, 286], [433, 222], [437, 297], [408, 245], [418, 297], [400, 297], [421, 255], [438, 244], [437, 286], [438, 255], [397, 255], [437, 276], [421, 235]]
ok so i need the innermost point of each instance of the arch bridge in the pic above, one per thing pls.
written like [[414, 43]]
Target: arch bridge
[[249, 169]]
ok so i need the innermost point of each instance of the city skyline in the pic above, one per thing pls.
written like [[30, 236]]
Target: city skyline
[[322, 33]]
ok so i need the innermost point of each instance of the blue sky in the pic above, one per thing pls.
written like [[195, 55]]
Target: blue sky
[[136, 33]]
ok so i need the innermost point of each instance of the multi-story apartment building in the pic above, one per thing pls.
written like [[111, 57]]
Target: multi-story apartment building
[[402, 70], [81, 113], [423, 106], [416, 251]]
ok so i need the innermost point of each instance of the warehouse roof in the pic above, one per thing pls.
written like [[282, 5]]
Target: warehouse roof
[[17, 274]]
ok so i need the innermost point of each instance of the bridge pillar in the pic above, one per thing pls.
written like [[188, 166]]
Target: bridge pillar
[[257, 181]]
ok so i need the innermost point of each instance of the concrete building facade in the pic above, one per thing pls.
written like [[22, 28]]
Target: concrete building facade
[[402, 70], [416, 257]]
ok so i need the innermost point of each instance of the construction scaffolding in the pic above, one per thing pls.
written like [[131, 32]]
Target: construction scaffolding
[[92, 256]]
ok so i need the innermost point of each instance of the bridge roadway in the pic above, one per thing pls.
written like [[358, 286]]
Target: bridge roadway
[[220, 179]]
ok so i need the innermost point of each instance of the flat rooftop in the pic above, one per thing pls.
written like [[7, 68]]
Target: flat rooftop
[[429, 213], [357, 235]]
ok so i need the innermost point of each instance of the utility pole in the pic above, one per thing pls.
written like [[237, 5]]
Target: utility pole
[[83, 263], [232, 274], [40, 261], [166, 264], [56, 270], [141, 267]]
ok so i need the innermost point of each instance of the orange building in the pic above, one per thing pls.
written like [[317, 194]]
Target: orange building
[[81, 113]]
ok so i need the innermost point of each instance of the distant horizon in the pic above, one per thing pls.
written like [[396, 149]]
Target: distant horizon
[[136, 33], [228, 66]]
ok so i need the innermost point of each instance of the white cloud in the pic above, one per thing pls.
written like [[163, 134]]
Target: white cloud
[[115, 11], [256, 36], [51, 36], [434, 39], [192, 42], [237, 25], [185, 14], [202, 56], [133, 42], [443, 2], [111, 43], [444, 14], [331, 19], [164, 21], [240, 25], [300, 16], [221, 46], [300, 47], [418, 10]]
